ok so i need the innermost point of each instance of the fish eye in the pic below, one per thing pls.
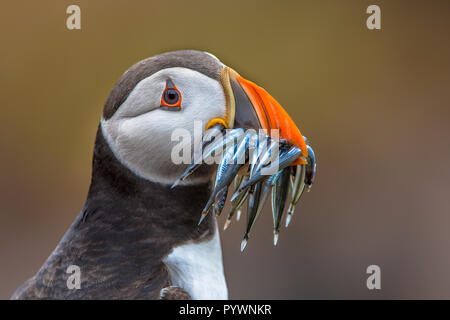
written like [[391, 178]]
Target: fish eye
[[171, 97]]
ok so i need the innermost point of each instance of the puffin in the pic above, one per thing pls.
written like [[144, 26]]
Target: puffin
[[137, 236]]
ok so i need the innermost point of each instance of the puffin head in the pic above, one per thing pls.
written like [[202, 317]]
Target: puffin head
[[170, 92]]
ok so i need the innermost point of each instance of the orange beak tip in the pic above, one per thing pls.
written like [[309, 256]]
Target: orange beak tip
[[271, 115], [300, 160]]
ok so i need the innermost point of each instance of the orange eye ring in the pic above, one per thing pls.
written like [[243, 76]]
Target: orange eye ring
[[171, 97]]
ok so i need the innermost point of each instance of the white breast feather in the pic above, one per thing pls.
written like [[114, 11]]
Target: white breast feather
[[198, 269]]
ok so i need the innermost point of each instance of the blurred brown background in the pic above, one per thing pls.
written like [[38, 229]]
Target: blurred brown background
[[375, 105]]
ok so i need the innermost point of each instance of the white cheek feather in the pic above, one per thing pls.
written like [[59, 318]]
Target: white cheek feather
[[139, 133], [197, 268]]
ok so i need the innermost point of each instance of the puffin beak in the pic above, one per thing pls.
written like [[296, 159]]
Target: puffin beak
[[249, 106], [253, 107]]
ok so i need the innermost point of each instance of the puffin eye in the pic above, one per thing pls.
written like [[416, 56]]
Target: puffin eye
[[171, 97]]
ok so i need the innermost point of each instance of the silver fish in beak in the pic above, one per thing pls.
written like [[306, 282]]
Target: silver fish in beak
[[250, 107], [233, 159], [280, 193], [211, 149], [302, 178]]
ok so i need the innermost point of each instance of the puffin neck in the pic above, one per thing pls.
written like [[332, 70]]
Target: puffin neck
[[120, 197], [126, 228]]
